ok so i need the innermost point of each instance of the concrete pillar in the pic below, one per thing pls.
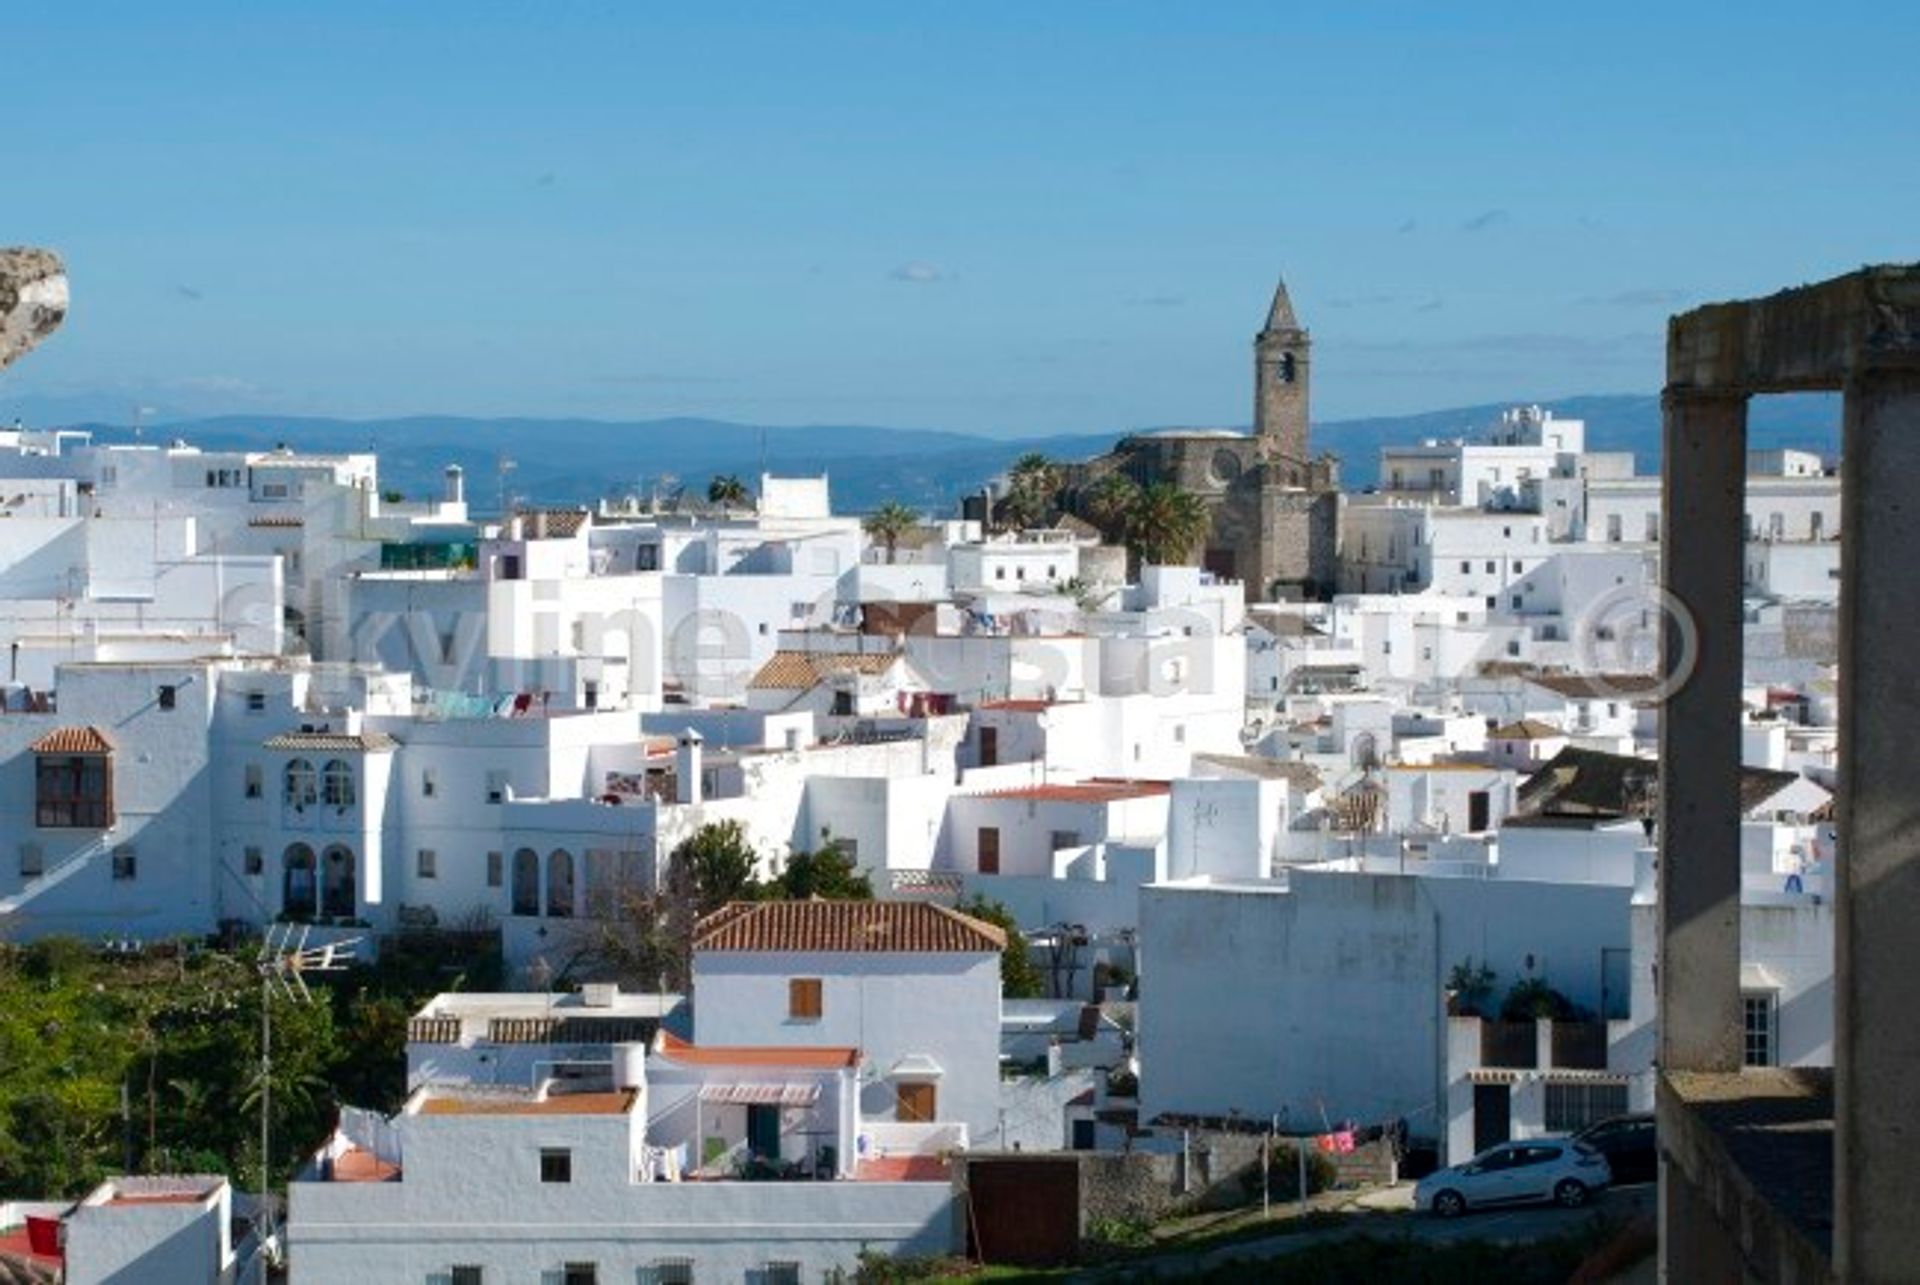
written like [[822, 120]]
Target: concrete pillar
[[1876, 986], [1702, 516]]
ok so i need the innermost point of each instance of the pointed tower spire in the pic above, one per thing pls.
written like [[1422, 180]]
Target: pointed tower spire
[[1280, 315]]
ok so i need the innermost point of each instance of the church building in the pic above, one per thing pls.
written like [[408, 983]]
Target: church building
[[1275, 508]]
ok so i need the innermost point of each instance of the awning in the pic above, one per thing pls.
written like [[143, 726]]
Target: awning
[[761, 1095], [1757, 977]]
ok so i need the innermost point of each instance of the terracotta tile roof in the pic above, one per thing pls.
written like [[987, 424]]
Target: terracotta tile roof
[[1023, 706], [617, 1102], [74, 740], [340, 742], [901, 1169], [363, 1166], [1097, 791], [842, 926], [675, 1049], [1597, 686], [559, 524], [799, 670], [1527, 729]]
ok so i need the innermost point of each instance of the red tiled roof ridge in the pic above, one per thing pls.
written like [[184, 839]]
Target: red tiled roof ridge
[[844, 926], [673, 1048], [84, 739]]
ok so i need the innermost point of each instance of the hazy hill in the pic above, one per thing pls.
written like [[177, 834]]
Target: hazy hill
[[579, 460]]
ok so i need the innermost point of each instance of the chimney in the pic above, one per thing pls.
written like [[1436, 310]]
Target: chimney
[[686, 769], [455, 491]]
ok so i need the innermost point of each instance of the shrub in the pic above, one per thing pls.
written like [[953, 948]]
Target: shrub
[[1283, 1174], [1531, 998]]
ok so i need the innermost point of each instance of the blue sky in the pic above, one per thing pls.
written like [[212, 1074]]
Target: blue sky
[[1007, 219]]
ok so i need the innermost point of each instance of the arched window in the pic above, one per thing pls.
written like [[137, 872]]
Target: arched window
[[338, 883], [559, 884], [303, 790], [297, 882], [600, 882], [526, 882], [336, 784]]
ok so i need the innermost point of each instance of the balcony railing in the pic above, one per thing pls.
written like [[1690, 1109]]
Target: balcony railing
[[1509, 1044], [1580, 1045]]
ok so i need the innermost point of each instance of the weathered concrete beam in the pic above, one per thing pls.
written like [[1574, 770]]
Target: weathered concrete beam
[[1809, 338], [33, 299]]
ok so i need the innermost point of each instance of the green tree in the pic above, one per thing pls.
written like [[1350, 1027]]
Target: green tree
[[1019, 978], [728, 491], [1109, 505], [831, 874], [1166, 523], [888, 524], [716, 865], [1032, 485]]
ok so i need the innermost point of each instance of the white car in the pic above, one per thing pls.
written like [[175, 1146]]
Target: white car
[[1513, 1173]]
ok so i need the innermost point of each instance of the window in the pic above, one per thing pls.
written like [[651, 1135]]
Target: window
[[251, 861], [336, 784], [32, 860], [526, 882], [1653, 527], [804, 999], [560, 884], [579, 1274], [1465, 567], [918, 1102], [999, 573], [1518, 602], [668, 1271], [1572, 1107], [303, 786], [1492, 566], [255, 785], [556, 1164], [256, 702], [1064, 839], [73, 792], [496, 787], [466, 1276], [125, 865], [780, 1273], [428, 784], [425, 863], [987, 858], [495, 863], [1762, 1014], [169, 695]]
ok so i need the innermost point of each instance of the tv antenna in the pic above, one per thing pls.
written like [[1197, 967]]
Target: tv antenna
[[284, 961]]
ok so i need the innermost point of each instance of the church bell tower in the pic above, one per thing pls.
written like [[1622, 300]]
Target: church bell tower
[[1280, 371]]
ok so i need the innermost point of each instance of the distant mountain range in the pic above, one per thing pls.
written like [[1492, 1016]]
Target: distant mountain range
[[567, 461]]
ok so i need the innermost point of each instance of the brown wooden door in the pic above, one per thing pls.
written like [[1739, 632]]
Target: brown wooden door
[[989, 746], [918, 1103], [989, 853]]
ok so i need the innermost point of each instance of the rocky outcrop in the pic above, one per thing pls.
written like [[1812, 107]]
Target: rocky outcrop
[[33, 299]]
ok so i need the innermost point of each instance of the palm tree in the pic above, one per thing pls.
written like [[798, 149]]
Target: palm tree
[[1031, 484], [1109, 505], [1166, 523], [728, 491], [888, 523]]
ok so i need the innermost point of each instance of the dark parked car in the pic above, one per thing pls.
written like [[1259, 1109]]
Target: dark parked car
[[1627, 1143]]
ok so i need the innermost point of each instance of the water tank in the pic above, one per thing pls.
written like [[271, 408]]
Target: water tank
[[629, 1066]]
